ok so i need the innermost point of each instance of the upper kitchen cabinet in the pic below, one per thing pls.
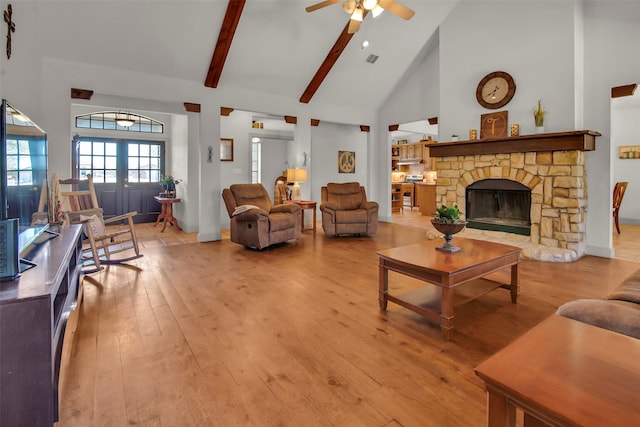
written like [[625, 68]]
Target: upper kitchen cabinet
[[408, 144]]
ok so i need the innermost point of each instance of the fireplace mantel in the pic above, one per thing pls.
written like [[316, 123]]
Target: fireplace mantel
[[581, 140]]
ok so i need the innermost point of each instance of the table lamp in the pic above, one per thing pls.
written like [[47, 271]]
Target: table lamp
[[296, 176]]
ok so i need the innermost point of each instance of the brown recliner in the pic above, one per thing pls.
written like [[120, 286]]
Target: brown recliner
[[255, 222], [345, 210]]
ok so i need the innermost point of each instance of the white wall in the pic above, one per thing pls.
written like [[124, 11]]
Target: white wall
[[326, 140], [416, 97], [611, 34]]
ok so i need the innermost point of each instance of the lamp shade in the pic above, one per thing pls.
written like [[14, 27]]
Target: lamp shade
[[297, 175]]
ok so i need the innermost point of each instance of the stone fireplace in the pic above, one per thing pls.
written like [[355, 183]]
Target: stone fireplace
[[551, 166]]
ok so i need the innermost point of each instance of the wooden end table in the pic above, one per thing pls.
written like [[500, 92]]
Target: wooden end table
[[564, 372], [166, 213], [306, 204], [458, 273]]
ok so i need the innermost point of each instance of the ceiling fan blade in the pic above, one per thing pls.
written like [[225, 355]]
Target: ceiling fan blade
[[321, 5], [397, 9], [354, 26]]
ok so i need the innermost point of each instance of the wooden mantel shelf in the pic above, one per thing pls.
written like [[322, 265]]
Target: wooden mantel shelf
[[583, 140]]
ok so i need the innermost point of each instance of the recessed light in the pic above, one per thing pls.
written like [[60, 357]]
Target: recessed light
[[365, 44]]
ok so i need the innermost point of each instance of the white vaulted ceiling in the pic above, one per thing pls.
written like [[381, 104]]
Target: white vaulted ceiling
[[277, 46]]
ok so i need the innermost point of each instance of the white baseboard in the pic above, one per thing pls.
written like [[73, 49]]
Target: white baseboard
[[601, 251], [209, 237]]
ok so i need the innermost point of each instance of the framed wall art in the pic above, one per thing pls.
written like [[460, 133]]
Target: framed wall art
[[226, 149], [494, 125], [346, 161]]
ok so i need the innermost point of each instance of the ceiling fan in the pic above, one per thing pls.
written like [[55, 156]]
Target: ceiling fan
[[358, 9]]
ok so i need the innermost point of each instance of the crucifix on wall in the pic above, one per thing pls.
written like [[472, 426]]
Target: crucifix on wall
[[11, 28]]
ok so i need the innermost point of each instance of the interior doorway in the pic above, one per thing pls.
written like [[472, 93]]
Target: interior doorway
[[269, 159]]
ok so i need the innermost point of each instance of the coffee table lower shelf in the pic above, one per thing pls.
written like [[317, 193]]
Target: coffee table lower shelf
[[427, 301]]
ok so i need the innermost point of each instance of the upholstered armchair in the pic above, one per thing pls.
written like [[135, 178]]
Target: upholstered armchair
[[345, 210], [255, 222]]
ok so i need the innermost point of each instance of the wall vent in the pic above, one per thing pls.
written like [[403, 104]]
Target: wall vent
[[372, 58]]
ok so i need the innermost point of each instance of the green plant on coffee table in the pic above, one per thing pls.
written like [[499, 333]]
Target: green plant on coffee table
[[448, 215]]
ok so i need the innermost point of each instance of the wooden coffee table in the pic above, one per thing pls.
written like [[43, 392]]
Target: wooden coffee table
[[564, 372], [460, 274]]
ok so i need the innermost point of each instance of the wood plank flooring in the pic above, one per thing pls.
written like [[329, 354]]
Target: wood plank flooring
[[213, 334]]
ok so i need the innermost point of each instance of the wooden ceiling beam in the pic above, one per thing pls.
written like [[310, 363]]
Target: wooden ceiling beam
[[81, 93], [626, 90], [291, 119], [393, 128], [192, 107], [315, 122], [332, 57], [227, 31], [365, 128], [225, 111]]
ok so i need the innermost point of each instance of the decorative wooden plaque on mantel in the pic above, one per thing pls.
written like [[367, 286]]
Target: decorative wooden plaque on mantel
[[582, 140]]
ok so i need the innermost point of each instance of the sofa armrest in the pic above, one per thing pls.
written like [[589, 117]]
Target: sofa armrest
[[369, 206], [251, 215], [285, 208], [629, 289], [617, 316], [328, 206]]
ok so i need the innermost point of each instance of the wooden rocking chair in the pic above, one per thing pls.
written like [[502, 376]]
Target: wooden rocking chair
[[80, 206]]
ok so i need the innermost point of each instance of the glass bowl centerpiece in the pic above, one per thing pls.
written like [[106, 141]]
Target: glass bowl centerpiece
[[447, 221]]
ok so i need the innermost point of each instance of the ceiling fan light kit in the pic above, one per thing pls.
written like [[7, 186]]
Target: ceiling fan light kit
[[358, 10], [369, 4], [349, 6]]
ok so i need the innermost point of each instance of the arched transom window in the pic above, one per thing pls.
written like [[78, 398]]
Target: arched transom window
[[120, 121]]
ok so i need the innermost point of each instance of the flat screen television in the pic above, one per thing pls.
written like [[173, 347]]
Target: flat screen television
[[23, 175]]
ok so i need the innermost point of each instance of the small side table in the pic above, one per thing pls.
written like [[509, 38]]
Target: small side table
[[306, 204], [166, 213]]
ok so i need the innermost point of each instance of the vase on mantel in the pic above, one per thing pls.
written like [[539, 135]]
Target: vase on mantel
[[539, 129]]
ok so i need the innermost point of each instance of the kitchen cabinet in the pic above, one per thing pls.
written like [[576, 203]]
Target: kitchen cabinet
[[426, 198], [410, 151], [395, 156], [396, 197]]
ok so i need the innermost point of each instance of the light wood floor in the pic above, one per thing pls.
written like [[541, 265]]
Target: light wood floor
[[213, 334]]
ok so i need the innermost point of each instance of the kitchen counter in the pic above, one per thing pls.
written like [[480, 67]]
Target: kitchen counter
[[426, 197]]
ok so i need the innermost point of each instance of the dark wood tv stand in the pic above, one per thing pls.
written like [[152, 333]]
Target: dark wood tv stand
[[33, 314]]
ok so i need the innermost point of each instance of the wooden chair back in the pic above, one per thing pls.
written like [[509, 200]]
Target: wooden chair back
[[73, 198], [618, 193]]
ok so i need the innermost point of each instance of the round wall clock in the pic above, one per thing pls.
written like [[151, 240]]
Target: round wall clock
[[495, 90]]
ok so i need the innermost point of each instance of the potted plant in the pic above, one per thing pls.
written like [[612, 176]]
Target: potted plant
[[538, 116], [168, 183], [454, 137], [447, 221]]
